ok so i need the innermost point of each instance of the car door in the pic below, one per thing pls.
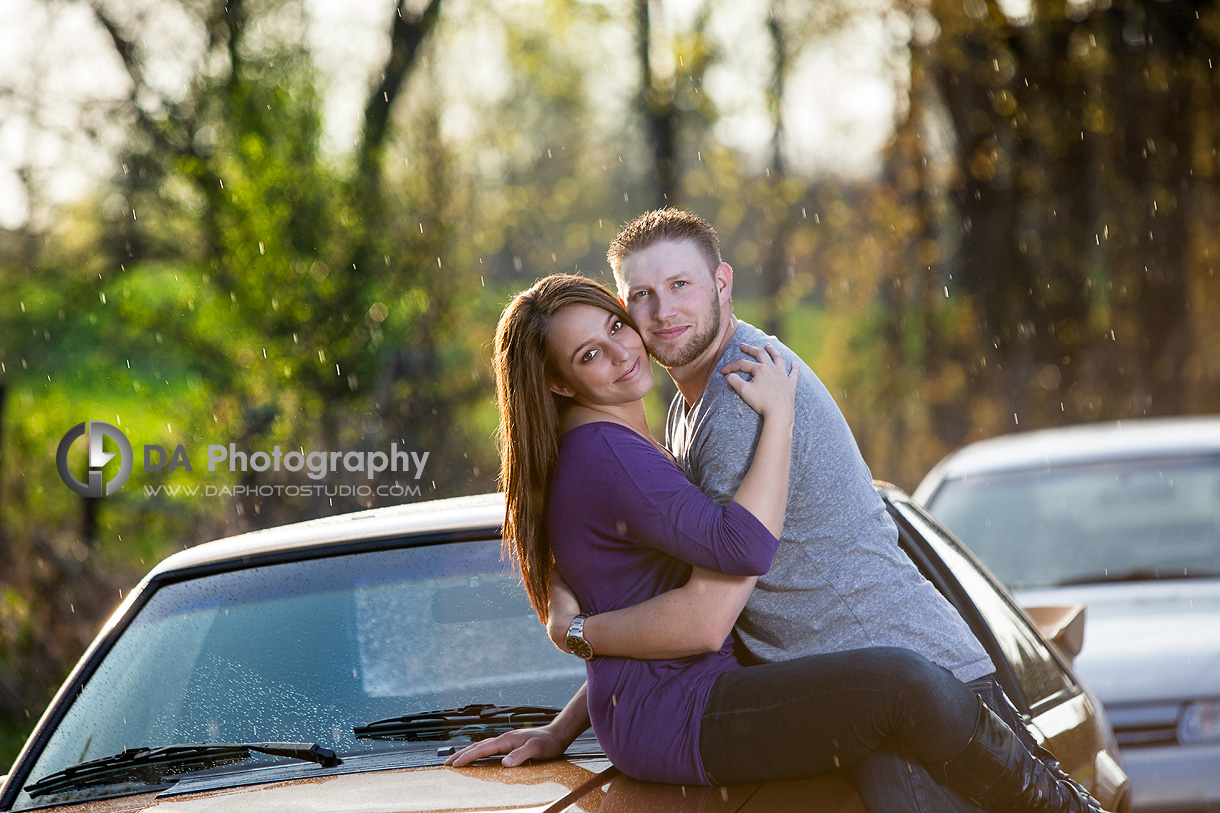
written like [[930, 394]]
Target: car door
[[1034, 676]]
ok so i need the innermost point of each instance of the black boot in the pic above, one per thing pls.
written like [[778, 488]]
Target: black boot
[[995, 770], [1048, 759]]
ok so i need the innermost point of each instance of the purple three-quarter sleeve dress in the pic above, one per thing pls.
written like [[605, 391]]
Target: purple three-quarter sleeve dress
[[626, 525]]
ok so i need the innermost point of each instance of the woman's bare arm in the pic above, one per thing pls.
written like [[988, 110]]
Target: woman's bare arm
[[690, 620]]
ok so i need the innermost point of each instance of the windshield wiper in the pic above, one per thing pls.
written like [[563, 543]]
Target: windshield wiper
[[477, 721], [151, 766]]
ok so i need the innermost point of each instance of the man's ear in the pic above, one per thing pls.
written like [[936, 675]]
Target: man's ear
[[561, 389], [723, 277]]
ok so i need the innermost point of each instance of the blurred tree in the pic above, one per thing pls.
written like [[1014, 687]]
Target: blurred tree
[[672, 66], [777, 217], [301, 270], [266, 279], [1081, 136], [657, 106]]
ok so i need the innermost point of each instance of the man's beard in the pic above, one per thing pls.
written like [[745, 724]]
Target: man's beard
[[682, 355]]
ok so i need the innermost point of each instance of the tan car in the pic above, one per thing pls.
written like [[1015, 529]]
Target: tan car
[[333, 665]]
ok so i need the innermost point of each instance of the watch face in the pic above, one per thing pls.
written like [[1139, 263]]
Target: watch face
[[579, 647]]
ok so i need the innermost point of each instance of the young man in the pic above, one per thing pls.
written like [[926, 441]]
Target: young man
[[838, 581]]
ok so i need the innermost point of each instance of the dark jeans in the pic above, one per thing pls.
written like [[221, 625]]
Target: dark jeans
[[989, 689], [813, 714], [889, 782], [896, 783]]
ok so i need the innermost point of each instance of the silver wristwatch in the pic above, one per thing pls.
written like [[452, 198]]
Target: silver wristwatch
[[576, 638]]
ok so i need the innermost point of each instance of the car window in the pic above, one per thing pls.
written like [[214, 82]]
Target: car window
[[1117, 521], [1042, 679], [305, 650]]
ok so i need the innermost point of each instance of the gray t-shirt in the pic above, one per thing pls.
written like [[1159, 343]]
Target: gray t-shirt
[[839, 580]]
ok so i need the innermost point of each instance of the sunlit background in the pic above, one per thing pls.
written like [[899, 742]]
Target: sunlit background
[[294, 223]]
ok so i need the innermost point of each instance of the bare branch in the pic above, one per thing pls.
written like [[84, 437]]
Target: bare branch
[[407, 33], [126, 51]]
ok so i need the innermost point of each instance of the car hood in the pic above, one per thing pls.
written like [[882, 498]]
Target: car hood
[[548, 787], [1145, 640], [420, 789]]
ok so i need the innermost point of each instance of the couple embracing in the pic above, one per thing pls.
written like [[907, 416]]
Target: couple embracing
[[643, 559]]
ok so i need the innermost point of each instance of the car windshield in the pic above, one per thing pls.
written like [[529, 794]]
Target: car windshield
[[1109, 522], [307, 650]]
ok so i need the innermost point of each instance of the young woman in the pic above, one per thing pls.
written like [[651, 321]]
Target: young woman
[[591, 493]]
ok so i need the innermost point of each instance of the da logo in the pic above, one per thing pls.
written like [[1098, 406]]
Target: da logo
[[98, 458]]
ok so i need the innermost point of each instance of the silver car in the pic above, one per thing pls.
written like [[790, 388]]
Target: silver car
[[1123, 518]]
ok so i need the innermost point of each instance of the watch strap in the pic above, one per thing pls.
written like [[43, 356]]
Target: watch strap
[[576, 637]]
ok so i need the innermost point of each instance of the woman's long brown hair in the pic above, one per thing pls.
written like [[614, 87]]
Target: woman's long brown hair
[[529, 417]]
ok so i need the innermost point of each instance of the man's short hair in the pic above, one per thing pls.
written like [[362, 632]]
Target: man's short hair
[[662, 225]]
